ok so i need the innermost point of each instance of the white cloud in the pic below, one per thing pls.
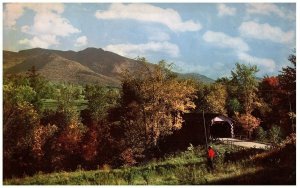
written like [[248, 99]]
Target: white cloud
[[25, 29], [159, 36], [265, 31], [51, 24], [224, 41], [48, 24], [224, 10], [134, 50], [268, 9], [149, 13], [268, 63], [43, 41], [12, 12], [45, 7], [241, 48], [81, 41], [185, 67]]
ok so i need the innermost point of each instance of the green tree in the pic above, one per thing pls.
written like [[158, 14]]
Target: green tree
[[100, 100], [243, 77], [233, 104], [43, 88], [68, 96]]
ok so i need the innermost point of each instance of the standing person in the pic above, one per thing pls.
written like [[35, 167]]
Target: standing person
[[210, 157]]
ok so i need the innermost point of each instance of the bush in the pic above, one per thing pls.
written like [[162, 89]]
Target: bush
[[260, 134], [275, 134]]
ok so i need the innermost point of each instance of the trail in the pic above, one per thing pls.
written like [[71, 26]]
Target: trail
[[243, 143]]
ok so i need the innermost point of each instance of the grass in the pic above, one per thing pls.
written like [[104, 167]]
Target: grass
[[51, 104], [184, 168]]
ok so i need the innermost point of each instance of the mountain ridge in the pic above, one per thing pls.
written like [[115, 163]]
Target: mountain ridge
[[90, 65]]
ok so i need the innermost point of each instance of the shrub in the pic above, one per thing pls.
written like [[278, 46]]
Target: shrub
[[275, 134], [260, 134], [127, 157]]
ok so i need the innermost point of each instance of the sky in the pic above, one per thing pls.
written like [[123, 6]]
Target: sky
[[204, 38]]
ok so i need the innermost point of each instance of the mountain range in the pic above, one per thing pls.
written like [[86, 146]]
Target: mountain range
[[91, 65]]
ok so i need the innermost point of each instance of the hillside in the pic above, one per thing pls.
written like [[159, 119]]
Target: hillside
[[242, 167], [90, 65]]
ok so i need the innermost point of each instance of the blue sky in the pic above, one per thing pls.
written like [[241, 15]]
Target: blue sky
[[205, 38]]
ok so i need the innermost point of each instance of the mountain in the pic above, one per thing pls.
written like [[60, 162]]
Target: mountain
[[91, 65], [198, 77]]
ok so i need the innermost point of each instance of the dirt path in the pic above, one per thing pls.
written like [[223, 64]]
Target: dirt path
[[243, 143]]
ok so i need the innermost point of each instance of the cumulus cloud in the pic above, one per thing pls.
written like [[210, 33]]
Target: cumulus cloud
[[224, 10], [48, 24], [224, 41], [265, 62], [265, 31], [43, 41], [263, 8], [51, 24], [149, 13], [241, 48], [269, 9], [133, 50], [81, 41], [11, 13]]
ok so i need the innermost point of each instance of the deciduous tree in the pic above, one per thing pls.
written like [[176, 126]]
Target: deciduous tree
[[152, 102]]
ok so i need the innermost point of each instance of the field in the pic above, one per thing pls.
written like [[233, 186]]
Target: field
[[184, 168], [51, 104]]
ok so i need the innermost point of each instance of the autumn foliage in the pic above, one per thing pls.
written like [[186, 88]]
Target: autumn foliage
[[94, 126]]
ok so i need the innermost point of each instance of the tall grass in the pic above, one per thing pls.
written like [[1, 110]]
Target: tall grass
[[184, 168]]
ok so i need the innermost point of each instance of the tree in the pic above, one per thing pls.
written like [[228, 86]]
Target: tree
[[211, 98], [98, 144], [233, 104], [100, 100], [67, 97], [244, 78], [152, 102], [287, 82], [269, 91], [20, 119], [216, 99], [43, 88], [248, 122]]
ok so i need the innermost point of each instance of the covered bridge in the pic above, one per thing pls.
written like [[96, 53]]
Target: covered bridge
[[193, 130]]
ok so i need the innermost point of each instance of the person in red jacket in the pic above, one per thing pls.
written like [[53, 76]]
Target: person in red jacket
[[210, 157]]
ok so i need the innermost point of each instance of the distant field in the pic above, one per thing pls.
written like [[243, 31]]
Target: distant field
[[51, 104], [184, 168]]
